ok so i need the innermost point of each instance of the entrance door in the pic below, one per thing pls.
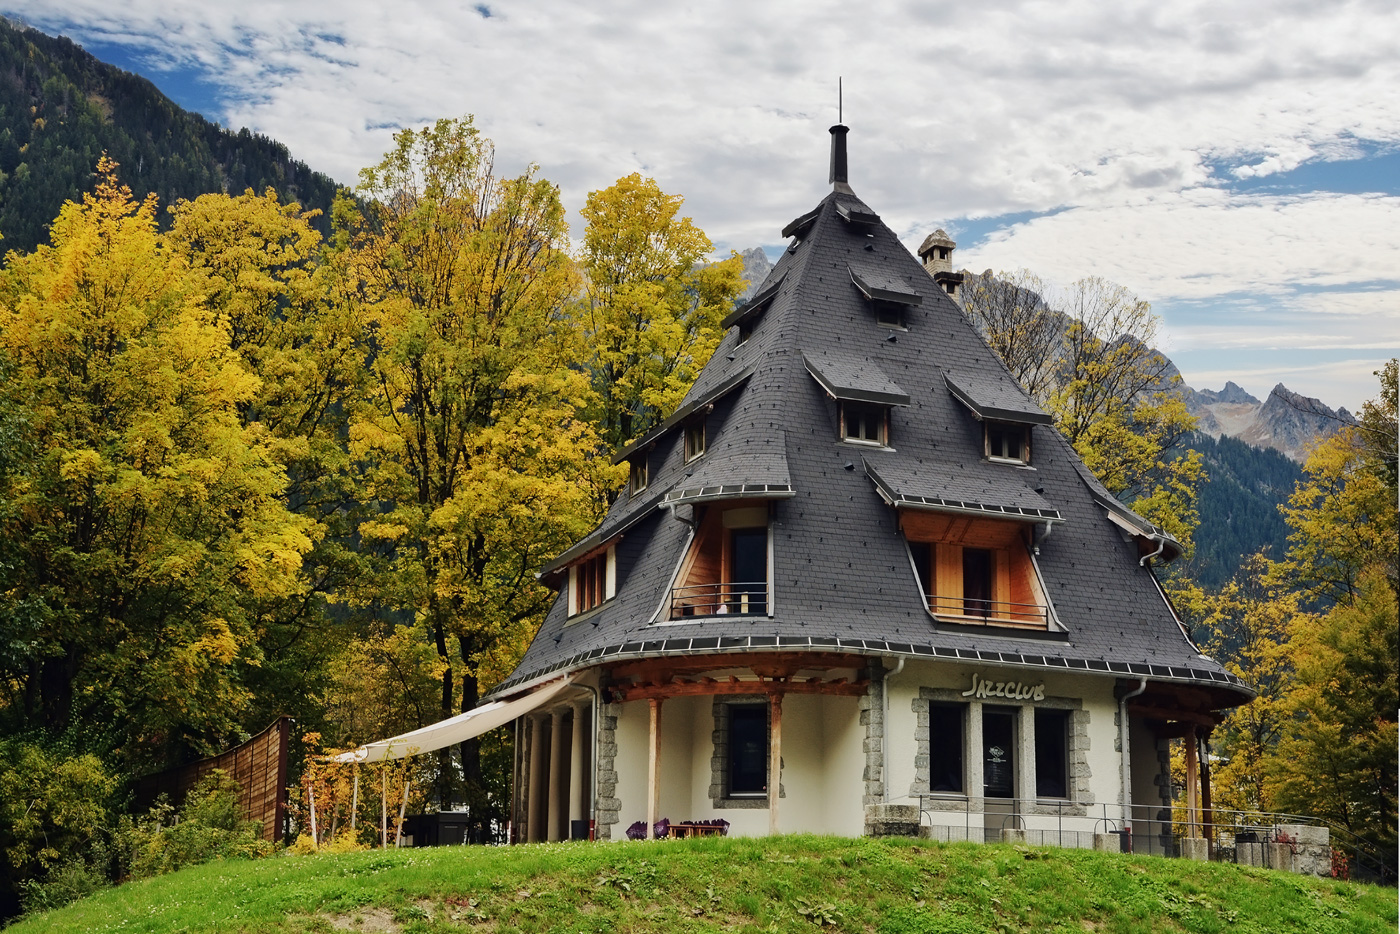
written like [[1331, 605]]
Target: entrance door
[[998, 769]]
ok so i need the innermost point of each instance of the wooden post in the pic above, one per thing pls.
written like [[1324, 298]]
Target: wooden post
[[578, 779], [1208, 812], [311, 799], [534, 813], [355, 798], [557, 751], [1193, 778], [654, 767], [403, 808], [775, 762], [384, 807]]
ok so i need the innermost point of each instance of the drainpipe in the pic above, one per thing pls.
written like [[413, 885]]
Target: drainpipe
[[1123, 742], [885, 726], [1161, 547], [593, 790]]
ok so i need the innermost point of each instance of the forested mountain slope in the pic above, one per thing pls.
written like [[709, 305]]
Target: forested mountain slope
[[61, 108], [1239, 506]]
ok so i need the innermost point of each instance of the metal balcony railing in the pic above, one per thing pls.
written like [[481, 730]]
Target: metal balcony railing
[[1233, 836], [750, 597], [991, 612]]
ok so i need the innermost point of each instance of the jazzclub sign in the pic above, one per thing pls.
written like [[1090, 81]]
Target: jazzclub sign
[[1011, 690]]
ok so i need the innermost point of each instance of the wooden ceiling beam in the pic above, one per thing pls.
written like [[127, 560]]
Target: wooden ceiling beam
[[839, 688]]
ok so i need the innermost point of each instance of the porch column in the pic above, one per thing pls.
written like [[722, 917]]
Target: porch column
[[534, 813], [775, 762], [556, 773], [653, 766], [1193, 777], [1207, 812], [578, 783]]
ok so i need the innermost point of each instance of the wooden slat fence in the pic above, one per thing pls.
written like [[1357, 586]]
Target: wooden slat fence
[[258, 765]]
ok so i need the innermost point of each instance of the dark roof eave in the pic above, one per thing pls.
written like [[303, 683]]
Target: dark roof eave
[[876, 293], [727, 491], [962, 507], [755, 306], [995, 413], [682, 413], [857, 393]]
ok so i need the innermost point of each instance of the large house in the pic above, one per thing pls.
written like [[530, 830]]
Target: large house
[[858, 581]]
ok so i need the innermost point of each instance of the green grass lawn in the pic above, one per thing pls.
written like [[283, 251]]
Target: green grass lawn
[[796, 883]]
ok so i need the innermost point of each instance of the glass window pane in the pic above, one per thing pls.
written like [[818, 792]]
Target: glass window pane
[[945, 728], [1052, 753], [748, 749]]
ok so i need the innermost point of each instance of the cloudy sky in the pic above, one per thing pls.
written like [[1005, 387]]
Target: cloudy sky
[[1235, 163]]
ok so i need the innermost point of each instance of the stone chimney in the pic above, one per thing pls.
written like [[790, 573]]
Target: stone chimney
[[936, 253]]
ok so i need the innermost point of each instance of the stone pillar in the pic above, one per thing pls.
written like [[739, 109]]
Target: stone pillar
[[1193, 778], [1196, 848], [578, 780], [534, 810], [556, 775]]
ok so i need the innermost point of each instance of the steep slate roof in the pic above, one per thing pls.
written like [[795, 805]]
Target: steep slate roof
[[842, 577]]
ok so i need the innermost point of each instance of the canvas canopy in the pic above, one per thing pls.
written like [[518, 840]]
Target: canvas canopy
[[454, 729]]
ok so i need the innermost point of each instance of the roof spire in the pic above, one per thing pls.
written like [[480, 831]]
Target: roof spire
[[838, 146]]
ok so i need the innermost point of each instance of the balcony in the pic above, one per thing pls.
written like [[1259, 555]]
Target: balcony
[[744, 597], [981, 612]]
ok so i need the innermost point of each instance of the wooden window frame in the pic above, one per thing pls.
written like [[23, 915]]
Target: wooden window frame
[[592, 581], [1006, 429], [865, 409], [639, 474], [694, 440]]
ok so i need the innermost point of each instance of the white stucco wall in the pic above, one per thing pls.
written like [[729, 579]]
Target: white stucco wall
[[1095, 697]]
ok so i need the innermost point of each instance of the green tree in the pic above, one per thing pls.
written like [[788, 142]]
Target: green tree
[[1247, 625], [1338, 757], [1091, 364], [652, 308], [1344, 515], [149, 519], [471, 431]]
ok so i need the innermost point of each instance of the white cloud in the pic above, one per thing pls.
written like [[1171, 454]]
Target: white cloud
[[1206, 242], [1116, 112]]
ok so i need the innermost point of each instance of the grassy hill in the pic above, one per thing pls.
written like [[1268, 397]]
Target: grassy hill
[[797, 883]]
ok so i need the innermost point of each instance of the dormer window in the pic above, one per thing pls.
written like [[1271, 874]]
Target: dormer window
[[865, 423], [593, 581], [694, 439], [1008, 443], [639, 475], [890, 315]]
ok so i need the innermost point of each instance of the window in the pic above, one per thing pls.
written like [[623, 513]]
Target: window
[[1006, 442], [975, 571], [868, 424], [726, 570], [1051, 753], [748, 751], [637, 481], [694, 440], [889, 315], [979, 565], [999, 752], [592, 581], [945, 733], [745, 330]]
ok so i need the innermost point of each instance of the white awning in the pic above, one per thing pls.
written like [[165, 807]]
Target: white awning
[[454, 729]]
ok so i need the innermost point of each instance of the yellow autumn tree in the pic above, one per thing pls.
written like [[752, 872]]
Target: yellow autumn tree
[[652, 308], [475, 451], [265, 283], [149, 520]]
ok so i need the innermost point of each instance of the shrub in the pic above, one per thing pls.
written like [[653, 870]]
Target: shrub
[[207, 827]]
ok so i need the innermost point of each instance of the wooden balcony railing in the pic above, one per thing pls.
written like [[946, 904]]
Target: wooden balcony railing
[[749, 597]]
